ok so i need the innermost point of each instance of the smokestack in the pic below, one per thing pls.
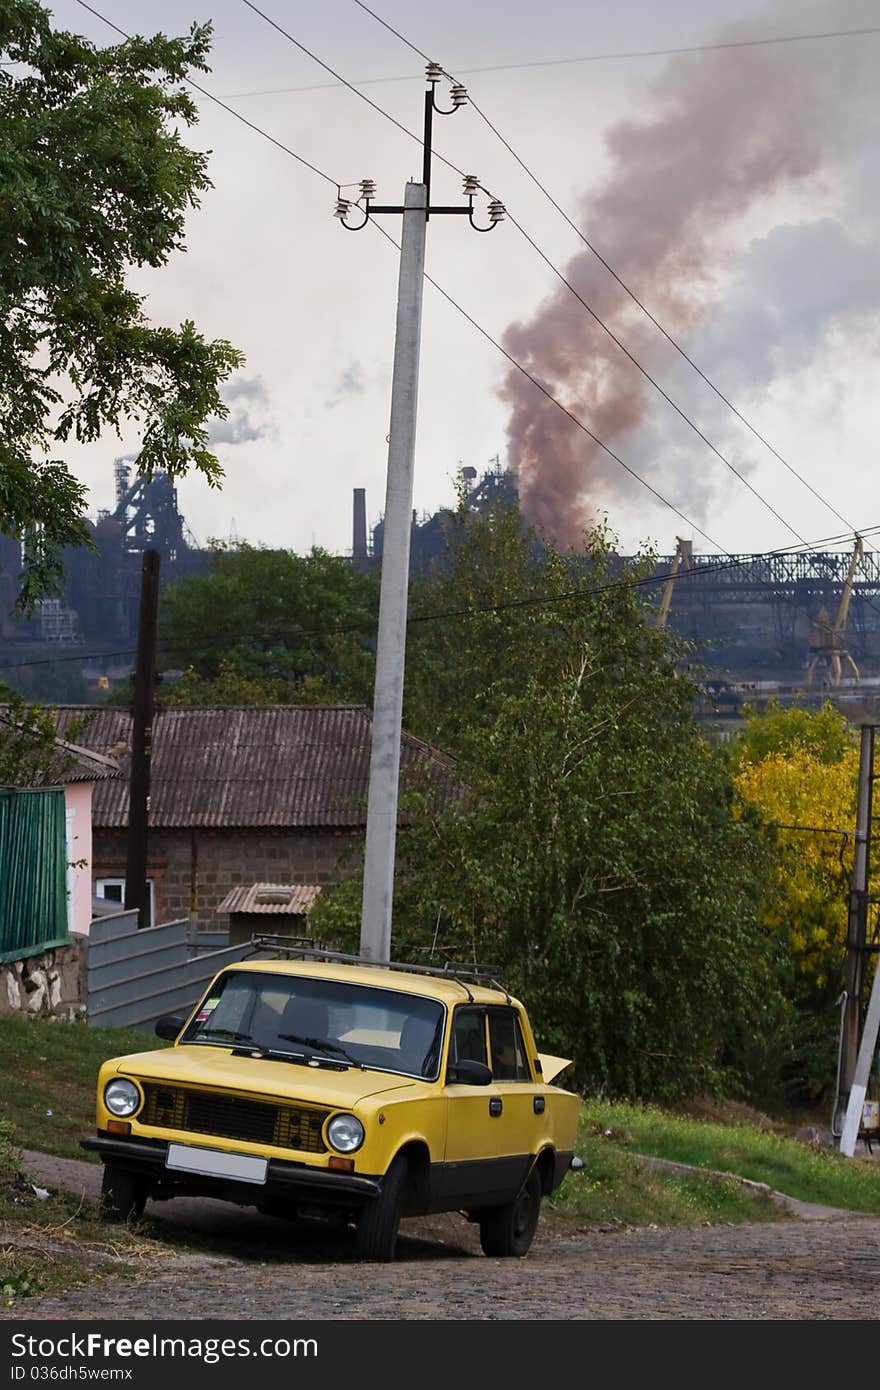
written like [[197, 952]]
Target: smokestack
[[359, 556]]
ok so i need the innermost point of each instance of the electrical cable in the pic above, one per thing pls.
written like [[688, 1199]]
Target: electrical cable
[[564, 62]]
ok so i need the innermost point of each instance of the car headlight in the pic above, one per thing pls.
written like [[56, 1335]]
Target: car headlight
[[122, 1097], [346, 1133]]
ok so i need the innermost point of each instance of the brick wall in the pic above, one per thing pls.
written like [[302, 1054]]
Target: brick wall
[[192, 871]]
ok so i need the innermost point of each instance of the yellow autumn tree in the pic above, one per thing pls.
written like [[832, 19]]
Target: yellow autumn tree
[[810, 806]]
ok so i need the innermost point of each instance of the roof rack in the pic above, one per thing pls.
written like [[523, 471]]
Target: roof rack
[[453, 970]]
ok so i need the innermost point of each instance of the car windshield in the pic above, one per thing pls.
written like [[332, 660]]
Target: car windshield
[[386, 1029]]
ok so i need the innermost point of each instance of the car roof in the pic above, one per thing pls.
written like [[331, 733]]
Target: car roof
[[447, 988]]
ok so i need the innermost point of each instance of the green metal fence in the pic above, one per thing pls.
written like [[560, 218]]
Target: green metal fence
[[33, 871]]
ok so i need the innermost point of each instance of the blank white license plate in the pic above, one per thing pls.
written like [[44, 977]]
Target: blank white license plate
[[214, 1163]]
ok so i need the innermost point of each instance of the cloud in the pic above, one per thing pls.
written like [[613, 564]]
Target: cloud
[[352, 382], [249, 415]]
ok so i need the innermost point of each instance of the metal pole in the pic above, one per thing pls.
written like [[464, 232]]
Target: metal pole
[[858, 1090], [136, 895], [857, 926], [390, 654]]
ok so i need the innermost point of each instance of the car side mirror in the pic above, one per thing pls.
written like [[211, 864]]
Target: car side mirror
[[467, 1073], [168, 1026]]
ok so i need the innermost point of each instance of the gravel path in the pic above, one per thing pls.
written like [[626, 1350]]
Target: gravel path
[[825, 1269]]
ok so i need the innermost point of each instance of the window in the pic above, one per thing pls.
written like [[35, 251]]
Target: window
[[468, 1042], [113, 890], [508, 1052]]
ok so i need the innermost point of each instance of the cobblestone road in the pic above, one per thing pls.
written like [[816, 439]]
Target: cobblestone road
[[260, 1268]]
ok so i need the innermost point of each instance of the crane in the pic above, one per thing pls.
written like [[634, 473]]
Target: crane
[[681, 560], [827, 638]]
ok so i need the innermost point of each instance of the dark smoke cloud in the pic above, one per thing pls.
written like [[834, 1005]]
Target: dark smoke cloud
[[248, 417], [722, 140]]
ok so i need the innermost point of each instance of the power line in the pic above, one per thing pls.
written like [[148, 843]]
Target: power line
[[623, 285], [564, 62]]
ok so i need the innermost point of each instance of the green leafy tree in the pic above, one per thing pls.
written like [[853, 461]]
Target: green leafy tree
[[30, 754], [594, 858], [94, 179], [294, 628]]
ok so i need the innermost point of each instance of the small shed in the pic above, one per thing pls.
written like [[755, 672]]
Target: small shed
[[249, 906]]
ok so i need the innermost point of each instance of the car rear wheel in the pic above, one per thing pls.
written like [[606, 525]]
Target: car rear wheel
[[379, 1221], [123, 1196], [509, 1230]]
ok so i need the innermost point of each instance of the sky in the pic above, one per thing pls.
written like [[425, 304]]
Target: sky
[[734, 191]]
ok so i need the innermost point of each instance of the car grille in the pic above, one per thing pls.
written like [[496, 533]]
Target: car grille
[[256, 1121]]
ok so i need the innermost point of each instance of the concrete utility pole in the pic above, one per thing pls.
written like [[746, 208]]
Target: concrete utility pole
[[136, 895], [382, 798], [857, 933]]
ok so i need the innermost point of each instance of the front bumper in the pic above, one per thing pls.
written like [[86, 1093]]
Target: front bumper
[[291, 1182]]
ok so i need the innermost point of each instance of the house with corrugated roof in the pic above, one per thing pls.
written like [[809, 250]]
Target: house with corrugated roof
[[262, 799]]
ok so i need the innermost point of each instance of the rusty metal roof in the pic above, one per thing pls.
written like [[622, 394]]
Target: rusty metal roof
[[286, 898], [289, 766]]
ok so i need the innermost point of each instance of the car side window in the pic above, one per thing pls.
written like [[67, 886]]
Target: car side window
[[468, 1042], [508, 1051]]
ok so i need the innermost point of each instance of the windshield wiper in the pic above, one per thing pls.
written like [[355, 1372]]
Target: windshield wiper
[[323, 1044], [222, 1033]]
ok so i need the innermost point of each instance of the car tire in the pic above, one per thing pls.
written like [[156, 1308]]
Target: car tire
[[509, 1230], [123, 1196], [379, 1221]]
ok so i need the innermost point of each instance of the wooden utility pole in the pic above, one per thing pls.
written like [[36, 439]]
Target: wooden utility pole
[[136, 893]]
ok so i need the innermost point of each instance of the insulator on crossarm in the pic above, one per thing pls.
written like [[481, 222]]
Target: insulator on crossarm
[[342, 206], [433, 72], [471, 184], [459, 95], [368, 188], [497, 211]]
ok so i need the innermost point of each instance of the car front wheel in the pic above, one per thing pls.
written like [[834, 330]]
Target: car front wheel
[[509, 1230], [123, 1196], [379, 1221]]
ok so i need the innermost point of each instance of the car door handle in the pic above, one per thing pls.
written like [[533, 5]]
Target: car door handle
[[496, 1105]]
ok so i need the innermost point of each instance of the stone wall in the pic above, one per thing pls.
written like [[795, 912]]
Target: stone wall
[[193, 870], [49, 984]]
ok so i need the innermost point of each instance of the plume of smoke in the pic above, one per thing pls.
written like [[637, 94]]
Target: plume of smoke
[[248, 402], [721, 139]]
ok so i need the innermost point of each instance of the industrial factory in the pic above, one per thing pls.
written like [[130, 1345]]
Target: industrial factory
[[787, 624]]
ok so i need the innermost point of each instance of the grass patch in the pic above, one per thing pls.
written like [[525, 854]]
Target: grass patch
[[50, 1072], [614, 1189], [51, 1246], [799, 1170]]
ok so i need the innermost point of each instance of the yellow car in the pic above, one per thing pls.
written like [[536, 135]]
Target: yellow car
[[323, 1087]]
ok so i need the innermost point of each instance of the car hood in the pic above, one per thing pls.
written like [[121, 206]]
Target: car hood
[[216, 1066]]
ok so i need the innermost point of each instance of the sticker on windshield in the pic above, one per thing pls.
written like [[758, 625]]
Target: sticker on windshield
[[207, 1009]]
